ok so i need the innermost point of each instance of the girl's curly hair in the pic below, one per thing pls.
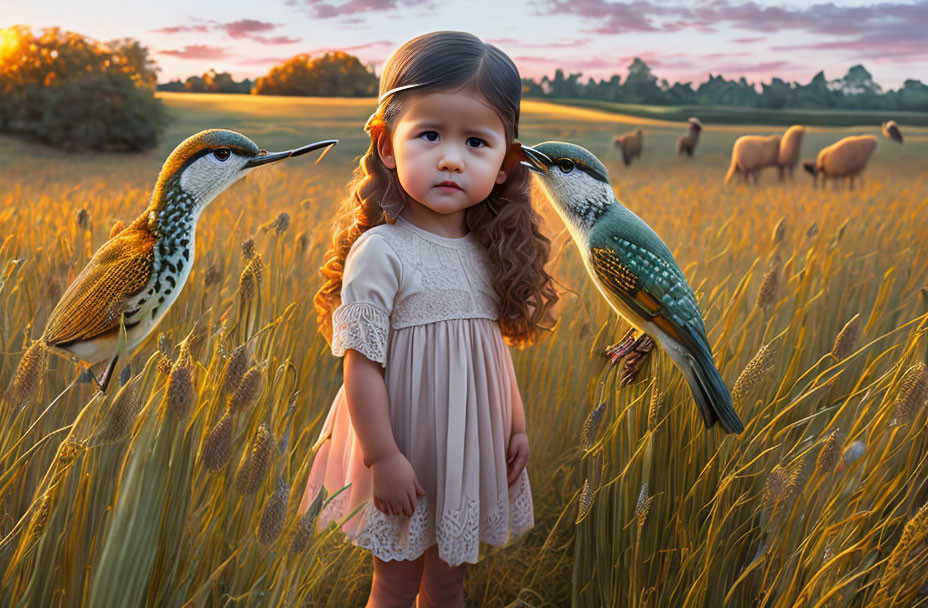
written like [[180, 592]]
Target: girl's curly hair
[[505, 223]]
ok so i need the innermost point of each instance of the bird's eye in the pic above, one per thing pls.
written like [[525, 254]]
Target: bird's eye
[[565, 165], [222, 154]]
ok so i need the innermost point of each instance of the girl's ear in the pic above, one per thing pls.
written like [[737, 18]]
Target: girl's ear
[[513, 156], [385, 150]]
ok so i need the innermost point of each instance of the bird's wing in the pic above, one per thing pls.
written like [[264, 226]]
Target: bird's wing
[[94, 302], [653, 288]]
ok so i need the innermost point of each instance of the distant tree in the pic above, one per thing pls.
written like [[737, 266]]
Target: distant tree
[[913, 96], [334, 74], [210, 82], [640, 84], [65, 89], [173, 86]]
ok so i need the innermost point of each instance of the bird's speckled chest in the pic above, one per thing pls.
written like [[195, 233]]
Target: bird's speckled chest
[[173, 261]]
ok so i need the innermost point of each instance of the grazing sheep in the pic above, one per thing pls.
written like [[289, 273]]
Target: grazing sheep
[[687, 143], [846, 158], [789, 150], [751, 153], [630, 144], [891, 131]]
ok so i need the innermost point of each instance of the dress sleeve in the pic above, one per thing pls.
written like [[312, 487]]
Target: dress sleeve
[[370, 281]]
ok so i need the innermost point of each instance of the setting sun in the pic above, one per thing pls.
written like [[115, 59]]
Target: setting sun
[[9, 40]]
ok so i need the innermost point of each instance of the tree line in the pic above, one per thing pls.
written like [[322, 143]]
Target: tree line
[[855, 90]]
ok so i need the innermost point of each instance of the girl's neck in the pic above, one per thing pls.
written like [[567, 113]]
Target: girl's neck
[[450, 225]]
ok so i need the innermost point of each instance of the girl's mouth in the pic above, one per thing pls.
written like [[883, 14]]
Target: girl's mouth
[[448, 185]]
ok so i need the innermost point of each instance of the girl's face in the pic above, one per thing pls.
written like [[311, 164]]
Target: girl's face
[[447, 149]]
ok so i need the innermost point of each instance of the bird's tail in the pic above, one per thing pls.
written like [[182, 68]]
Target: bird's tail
[[711, 394]]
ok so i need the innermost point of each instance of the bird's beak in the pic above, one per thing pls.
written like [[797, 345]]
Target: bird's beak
[[538, 162], [264, 157]]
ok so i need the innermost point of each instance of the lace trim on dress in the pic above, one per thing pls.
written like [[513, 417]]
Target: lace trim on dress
[[458, 532], [363, 327]]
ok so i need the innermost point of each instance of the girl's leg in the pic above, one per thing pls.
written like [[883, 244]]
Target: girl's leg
[[442, 585], [395, 583]]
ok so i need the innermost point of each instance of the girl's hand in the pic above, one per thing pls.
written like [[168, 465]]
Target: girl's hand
[[396, 487], [517, 456]]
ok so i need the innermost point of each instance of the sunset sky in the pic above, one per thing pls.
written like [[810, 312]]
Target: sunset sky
[[680, 41]]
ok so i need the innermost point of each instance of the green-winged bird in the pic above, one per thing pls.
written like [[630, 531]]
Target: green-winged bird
[[138, 273], [635, 272]]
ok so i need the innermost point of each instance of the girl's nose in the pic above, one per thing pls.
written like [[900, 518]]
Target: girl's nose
[[451, 159]]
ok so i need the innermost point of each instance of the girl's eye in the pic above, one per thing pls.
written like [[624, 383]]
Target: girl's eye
[[429, 135], [475, 142], [222, 154]]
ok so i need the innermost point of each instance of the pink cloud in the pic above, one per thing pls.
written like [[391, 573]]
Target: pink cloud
[[321, 9], [245, 28], [182, 29], [197, 51]]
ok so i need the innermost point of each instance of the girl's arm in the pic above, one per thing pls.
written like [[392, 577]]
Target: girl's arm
[[395, 488], [518, 411], [366, 394]]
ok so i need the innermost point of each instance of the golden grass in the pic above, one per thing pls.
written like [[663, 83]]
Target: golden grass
[[818, 503]]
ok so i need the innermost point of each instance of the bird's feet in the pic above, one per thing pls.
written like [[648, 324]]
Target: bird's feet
[[634, 350]]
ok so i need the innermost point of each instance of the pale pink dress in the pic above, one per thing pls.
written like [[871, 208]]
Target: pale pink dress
[[424, 307]]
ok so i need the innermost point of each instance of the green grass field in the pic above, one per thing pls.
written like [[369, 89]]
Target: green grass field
[[818, 503]]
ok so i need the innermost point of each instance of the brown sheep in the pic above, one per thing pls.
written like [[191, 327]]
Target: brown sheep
[[630, 144], [751, 153], [891, 131], [788, 156], [687, 142], [846, 158]]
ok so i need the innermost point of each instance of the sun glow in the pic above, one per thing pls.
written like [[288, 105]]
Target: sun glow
[[9, 40]]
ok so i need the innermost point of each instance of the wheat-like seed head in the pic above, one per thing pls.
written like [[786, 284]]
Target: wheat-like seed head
[[769, 285], [181, 392], [812, 230], [122, 414], [591, 426], [847, 339], [248, 391], [83, 219], [830, 455], [275, 512], [236, 367], [643, 505], [779, 231], [586, 501], [246, 284], [256, 267], [759, 365], [213, 276], [281, 223], [303, 532], [29, 374], [654, 408], [217, 447], [914, 536], [913, 392], [248, 248], [254, 467]]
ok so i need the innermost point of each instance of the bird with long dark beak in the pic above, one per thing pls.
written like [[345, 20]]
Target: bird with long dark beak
[[635, 272], [135, 276]]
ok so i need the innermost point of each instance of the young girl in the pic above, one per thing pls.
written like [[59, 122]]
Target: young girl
[[441, 267]]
